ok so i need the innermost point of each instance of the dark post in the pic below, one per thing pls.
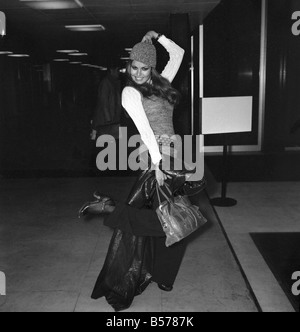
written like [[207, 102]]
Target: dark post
[[224, 201]]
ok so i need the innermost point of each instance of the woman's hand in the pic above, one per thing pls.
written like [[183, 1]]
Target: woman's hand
[[160, 177], [93, 135], [149, 36]]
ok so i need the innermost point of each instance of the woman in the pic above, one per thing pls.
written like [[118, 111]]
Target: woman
[[137, 254]]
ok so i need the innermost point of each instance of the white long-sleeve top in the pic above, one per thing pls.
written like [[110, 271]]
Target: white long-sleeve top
[[132, 99]]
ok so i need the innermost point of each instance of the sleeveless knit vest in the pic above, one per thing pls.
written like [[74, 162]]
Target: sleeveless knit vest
[[160, 115]]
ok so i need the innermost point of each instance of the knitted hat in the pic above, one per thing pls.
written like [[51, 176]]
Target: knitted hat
[[145, 53]]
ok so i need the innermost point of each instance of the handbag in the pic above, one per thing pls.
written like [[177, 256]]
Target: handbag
[[178, 217], [142, 193], [193, 188]]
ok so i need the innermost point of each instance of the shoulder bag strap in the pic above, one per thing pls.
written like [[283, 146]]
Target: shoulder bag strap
[[159, 190]]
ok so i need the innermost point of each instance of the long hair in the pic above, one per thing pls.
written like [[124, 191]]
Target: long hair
[[159, 87]]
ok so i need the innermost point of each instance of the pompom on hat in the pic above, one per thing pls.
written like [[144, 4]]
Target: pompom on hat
[[145, 53]]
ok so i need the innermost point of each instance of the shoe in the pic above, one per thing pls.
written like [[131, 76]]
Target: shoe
[[99, 196], [102, 205], [165, 287]]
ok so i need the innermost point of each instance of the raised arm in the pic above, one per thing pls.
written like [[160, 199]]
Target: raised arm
[[176, 54]]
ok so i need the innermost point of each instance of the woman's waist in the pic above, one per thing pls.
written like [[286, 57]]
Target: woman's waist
[[166, 139], [167, 144]]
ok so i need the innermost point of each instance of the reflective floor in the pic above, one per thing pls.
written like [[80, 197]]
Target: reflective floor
[[52, 259], [262, 208]]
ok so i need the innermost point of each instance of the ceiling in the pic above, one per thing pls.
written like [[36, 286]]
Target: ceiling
[[125, 21]]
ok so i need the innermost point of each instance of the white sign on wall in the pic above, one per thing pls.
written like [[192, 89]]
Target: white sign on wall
[[2, 24], [226, 115]]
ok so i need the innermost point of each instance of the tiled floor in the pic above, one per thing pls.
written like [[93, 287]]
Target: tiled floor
[[52, 260], [262, 208]]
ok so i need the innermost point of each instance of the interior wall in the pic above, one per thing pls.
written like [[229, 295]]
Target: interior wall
[[281, 116], [283, 78], [232, 36], [292, 128], [45, 113]]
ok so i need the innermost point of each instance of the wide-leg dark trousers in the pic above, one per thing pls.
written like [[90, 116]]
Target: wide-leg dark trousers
[[137, 253]]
